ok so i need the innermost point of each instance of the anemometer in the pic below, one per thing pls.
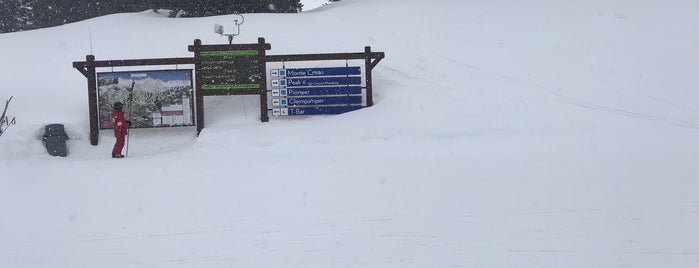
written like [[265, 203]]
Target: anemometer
[[238, 20]]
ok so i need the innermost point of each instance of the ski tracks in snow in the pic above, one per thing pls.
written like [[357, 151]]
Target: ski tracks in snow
[[463, 237], [684, 123]]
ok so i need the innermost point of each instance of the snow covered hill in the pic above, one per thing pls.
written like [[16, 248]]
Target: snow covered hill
[[504, 134]]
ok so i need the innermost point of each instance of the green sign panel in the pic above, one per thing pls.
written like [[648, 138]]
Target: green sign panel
[[230, 69], [230, 53], [231, 86]]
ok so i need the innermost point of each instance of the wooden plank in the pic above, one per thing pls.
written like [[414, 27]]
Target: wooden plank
[[313, 57], [264, 114], [92, 99], [143, 62], [376, 61], [367, 66], [229, 47]]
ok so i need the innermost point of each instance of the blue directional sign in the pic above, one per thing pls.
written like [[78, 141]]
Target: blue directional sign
[[315, 91], [322, 110], [333, 71], [323, 81], [306, 72], [306, 101]]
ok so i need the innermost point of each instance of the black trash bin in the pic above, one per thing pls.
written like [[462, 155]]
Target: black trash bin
[[55, 138]]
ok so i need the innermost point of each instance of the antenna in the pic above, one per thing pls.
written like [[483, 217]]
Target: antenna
[[89, 33], [238, 20]]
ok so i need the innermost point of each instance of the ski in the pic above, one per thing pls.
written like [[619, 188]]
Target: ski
[[7, 103], [5, 122]]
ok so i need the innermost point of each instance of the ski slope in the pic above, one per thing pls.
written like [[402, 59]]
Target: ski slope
[[503, 134]]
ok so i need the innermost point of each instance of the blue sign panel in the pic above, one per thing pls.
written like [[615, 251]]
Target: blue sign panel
[[315, 91], [324, 81], [333, 71], [323, 100], [322, 110]]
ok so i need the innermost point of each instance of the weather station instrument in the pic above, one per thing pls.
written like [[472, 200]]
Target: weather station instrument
[[237, 21]]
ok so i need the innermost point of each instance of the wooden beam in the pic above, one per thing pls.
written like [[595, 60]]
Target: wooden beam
[[264, 113], [266, 46], [92, 99], [143, 62], [326, 56], [197, 87], [376, 60], [82, 70], [368, 56]]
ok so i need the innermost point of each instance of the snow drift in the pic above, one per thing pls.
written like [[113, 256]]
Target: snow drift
[[504, 134]]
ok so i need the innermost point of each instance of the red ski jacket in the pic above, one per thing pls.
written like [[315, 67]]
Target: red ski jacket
[[120, 124]]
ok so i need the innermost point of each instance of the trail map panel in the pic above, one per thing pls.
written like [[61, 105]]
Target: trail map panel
[[155, 98]]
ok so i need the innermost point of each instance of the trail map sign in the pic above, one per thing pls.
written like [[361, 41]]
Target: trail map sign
[[160, 98], [314, 91]]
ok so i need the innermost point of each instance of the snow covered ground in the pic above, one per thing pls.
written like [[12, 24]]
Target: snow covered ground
[[504, 134]]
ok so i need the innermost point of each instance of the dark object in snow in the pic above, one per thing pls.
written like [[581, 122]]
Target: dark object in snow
[[4, 120], [55, 138]]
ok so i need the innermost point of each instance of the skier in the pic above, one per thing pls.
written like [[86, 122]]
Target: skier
[[121, 126]]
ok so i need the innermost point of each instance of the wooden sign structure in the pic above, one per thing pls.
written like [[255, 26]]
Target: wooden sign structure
[[88, 69], [371, 59], [240, 69], [237, 69]]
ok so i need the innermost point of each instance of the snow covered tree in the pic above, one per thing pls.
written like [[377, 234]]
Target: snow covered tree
[[218, 7], [19, 15], [8, 19]]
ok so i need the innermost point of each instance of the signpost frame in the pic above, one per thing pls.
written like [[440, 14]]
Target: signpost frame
[[88, 69], [261, 47], [371, 59]]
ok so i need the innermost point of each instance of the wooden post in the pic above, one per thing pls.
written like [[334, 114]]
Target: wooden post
[[368, 68], [92, 98], [264, 114], [197, 88]]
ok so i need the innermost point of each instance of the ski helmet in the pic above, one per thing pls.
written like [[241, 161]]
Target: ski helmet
[[118, 105]]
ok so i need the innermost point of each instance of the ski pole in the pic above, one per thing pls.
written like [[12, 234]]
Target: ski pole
[[127, 144], [128, 133]]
